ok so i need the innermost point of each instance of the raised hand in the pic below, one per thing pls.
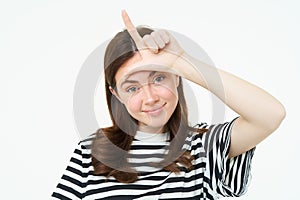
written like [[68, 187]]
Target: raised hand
[[159, 47], [154, 42]]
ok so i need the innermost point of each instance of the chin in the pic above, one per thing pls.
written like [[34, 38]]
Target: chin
[[154, 126]]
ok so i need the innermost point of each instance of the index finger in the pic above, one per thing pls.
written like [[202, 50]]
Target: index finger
[[132, 30]]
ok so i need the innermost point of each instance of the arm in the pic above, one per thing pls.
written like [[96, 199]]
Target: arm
[[260, 113]]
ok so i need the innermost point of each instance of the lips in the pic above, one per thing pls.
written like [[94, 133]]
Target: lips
[[154, 110]]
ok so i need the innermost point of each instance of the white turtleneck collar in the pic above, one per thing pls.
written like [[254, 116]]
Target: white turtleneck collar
[[152, 137]]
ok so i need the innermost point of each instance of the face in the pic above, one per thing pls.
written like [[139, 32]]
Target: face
[[149, 96]]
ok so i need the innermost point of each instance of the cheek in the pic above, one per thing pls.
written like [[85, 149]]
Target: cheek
[[167, 92], [133, 104]]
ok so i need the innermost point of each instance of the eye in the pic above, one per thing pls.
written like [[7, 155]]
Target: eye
[[159, 79], [131, 89]]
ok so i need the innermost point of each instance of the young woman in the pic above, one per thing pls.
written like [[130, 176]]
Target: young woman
[[151, 151]]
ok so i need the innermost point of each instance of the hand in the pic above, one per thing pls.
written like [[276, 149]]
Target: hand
[[158, 49]]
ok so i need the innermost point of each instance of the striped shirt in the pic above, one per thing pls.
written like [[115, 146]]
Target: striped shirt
[[213, 175]]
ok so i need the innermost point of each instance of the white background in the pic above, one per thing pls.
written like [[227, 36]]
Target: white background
[[43, 45]]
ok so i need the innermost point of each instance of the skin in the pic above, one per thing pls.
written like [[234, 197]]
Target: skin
[[149, 96], [260, 113]]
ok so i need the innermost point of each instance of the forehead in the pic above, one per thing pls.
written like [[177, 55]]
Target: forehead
[[138, 68], [138, 76], [126, 67]]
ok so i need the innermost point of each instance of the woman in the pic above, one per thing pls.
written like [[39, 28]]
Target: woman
[[151, 152]]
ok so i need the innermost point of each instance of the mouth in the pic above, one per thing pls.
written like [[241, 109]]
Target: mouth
[[155, 110]]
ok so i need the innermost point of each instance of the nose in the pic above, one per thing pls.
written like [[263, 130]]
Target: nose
[[150, 95]]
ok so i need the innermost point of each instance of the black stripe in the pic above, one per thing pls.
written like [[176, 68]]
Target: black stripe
[[238, 162], [77, 151], [243, 172], [71, 180], [146, 147], [142, 156], [76, 161], [69, 189], [89, 138], [73, 170], [83, 155], [118, 197], [60, 196]]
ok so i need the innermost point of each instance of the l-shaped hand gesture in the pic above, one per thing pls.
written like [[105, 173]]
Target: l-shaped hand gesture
[[159, 48]]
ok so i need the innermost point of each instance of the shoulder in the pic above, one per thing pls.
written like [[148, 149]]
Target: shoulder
[[194, 137], [197, 131], [213, 134], [216, 129], [85, 144]]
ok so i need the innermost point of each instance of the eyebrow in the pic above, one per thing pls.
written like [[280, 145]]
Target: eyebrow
[[134, 81]]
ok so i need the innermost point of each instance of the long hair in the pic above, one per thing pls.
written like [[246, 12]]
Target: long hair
[[111, 161]]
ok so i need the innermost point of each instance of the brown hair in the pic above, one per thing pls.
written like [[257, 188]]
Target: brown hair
[[111, 161]]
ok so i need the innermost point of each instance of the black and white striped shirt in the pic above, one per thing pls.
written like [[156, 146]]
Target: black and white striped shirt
[[213, 176]]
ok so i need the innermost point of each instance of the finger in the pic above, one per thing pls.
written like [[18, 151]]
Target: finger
[[132, 30], [164, 35], [158, 40], [150, 43]]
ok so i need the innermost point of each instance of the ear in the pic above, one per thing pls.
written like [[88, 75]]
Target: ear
[[115, 94]]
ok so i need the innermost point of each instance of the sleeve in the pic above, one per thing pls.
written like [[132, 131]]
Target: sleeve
[[227, 177], [70, 186]]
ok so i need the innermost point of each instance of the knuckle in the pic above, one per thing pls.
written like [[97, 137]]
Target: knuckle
[[146, 37], [161, 45], [153, 33]]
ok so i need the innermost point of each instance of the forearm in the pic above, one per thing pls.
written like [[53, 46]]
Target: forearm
[[251, 102]]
